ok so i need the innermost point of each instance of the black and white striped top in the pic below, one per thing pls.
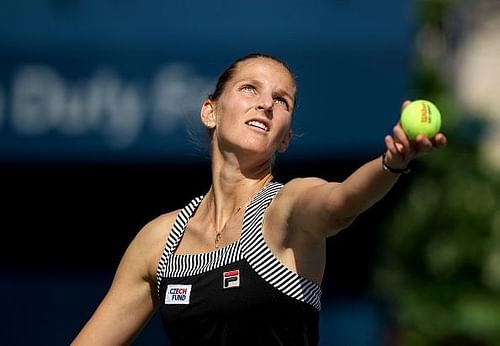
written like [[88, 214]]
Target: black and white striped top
[[240, 294], [250, 247]]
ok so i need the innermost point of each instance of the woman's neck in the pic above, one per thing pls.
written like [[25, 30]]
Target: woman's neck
[[230, 193]]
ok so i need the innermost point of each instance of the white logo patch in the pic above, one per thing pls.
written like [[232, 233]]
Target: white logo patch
[[231, 279], [178, 294]]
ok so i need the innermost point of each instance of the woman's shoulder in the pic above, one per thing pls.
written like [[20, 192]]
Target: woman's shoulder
[[291, 192], [294, 191], [151, 239], [158, 228], [154, 234], [297, 185]]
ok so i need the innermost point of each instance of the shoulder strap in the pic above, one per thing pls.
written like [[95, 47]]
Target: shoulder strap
[[262, 260], [175, 235], [254, 212]]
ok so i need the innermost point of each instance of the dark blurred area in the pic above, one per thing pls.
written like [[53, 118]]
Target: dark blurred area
[[72, 217], [75, 216]]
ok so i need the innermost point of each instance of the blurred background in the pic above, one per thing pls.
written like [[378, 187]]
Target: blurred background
[[99, 133]]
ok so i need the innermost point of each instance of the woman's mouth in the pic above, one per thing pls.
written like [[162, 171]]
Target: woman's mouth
[[258, 124]]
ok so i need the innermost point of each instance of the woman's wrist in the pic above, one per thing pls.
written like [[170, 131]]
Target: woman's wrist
[[390, 168]]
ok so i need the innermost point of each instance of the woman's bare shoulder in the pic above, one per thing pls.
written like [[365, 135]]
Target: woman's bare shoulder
[[158, 228], [290, 193], [151, 239], [298, 185]]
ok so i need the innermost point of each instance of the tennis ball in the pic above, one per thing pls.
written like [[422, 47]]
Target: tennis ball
[[420, 117]]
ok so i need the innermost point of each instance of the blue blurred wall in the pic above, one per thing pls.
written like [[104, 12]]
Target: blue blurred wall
[[119, 81]]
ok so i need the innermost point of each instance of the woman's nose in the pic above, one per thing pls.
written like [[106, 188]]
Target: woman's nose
[[265, 103]]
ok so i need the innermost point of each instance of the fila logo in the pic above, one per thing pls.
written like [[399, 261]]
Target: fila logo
[[231, 279], [178, 294]]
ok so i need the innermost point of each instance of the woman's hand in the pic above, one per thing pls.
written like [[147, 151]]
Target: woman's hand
[[400, 150]]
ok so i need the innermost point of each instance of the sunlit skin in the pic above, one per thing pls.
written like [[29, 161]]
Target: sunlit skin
[[296, 224], [260, 90]]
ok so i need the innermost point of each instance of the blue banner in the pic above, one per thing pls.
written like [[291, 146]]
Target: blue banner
[[124, 81]]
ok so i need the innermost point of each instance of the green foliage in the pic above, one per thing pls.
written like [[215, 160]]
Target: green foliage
[[440, 251]]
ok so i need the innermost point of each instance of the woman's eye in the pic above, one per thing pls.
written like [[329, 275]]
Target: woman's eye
[[281, 101], [248, 88]]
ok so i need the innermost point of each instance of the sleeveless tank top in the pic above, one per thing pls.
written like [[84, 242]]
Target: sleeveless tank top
[[238, 295]]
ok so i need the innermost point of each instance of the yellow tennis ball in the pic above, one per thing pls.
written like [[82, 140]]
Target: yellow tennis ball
[[421, 117]]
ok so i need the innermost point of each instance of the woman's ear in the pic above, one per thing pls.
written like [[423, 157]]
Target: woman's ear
[[284, 143], [207, 114]]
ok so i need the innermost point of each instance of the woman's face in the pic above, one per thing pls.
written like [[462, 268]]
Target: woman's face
[[254, 112]]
